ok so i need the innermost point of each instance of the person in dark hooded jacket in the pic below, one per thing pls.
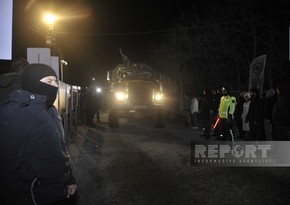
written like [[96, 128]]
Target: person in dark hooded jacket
[[12, 81], [34, 158], [255, 116], [281, 112], [269, 103], [204, 114]]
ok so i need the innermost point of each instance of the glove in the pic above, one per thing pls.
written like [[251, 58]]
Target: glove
[[230, 117]]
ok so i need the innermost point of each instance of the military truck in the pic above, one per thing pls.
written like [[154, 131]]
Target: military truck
[[136, 90]]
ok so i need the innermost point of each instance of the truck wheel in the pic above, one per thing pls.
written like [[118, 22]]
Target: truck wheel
[[113, 119], [160, 119]]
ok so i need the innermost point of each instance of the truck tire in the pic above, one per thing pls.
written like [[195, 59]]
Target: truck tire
[[113, 119], [160, 119]]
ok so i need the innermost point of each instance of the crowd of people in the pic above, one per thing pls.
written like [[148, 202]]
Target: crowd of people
[[251, 116]]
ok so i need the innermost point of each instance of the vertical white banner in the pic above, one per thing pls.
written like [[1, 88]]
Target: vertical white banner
[[257, 71], [6, 12]]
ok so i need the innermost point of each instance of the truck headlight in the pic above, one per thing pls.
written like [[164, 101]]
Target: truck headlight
[[121, 96], [158, 97]]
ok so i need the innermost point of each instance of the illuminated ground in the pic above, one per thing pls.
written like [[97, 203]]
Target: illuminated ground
[[138, 164]]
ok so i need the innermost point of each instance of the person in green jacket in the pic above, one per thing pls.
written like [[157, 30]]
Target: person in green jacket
[[225, 113]]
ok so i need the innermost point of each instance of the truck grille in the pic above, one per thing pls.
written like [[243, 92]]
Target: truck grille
[[140, 94]]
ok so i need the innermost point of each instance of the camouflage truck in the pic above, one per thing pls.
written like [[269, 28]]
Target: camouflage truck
[[136, 90]]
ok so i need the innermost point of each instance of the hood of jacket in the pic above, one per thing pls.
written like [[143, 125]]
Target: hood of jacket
[[8, 83], [9, 80]]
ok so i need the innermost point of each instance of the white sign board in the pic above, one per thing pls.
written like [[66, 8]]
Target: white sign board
[[55, 65], [39, 55], [6, 10]]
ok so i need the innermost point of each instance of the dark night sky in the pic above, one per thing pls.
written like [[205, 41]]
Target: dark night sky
[[91, 32]]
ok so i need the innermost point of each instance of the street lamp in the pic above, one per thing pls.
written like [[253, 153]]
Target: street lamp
[[50, 20], [62, 62]]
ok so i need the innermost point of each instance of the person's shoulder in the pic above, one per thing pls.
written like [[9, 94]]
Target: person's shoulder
[[23, 100], [7, 79], [19, 110], [9, 75], [11, 107], [13, 98]]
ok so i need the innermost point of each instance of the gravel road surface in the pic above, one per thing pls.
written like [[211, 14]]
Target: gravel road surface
[[139, 164]]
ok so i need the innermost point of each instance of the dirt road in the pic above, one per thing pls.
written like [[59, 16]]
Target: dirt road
[[138, 164]]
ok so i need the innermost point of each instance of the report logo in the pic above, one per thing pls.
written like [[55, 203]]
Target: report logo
[[256, 153]]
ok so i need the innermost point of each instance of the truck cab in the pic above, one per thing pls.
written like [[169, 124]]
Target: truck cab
[[136, 90]]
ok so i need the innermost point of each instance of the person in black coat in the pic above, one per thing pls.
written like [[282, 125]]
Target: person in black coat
[[205, 107], [255, 116], [281, 112], [90, 106], [269, 103], [12, 81], [215, 106], [34, 158], [238, 113]]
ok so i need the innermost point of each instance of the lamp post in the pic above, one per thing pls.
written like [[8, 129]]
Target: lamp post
[[62, 62], [50, 20]]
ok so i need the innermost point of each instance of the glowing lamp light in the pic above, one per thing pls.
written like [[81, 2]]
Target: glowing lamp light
[[49, 18]]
